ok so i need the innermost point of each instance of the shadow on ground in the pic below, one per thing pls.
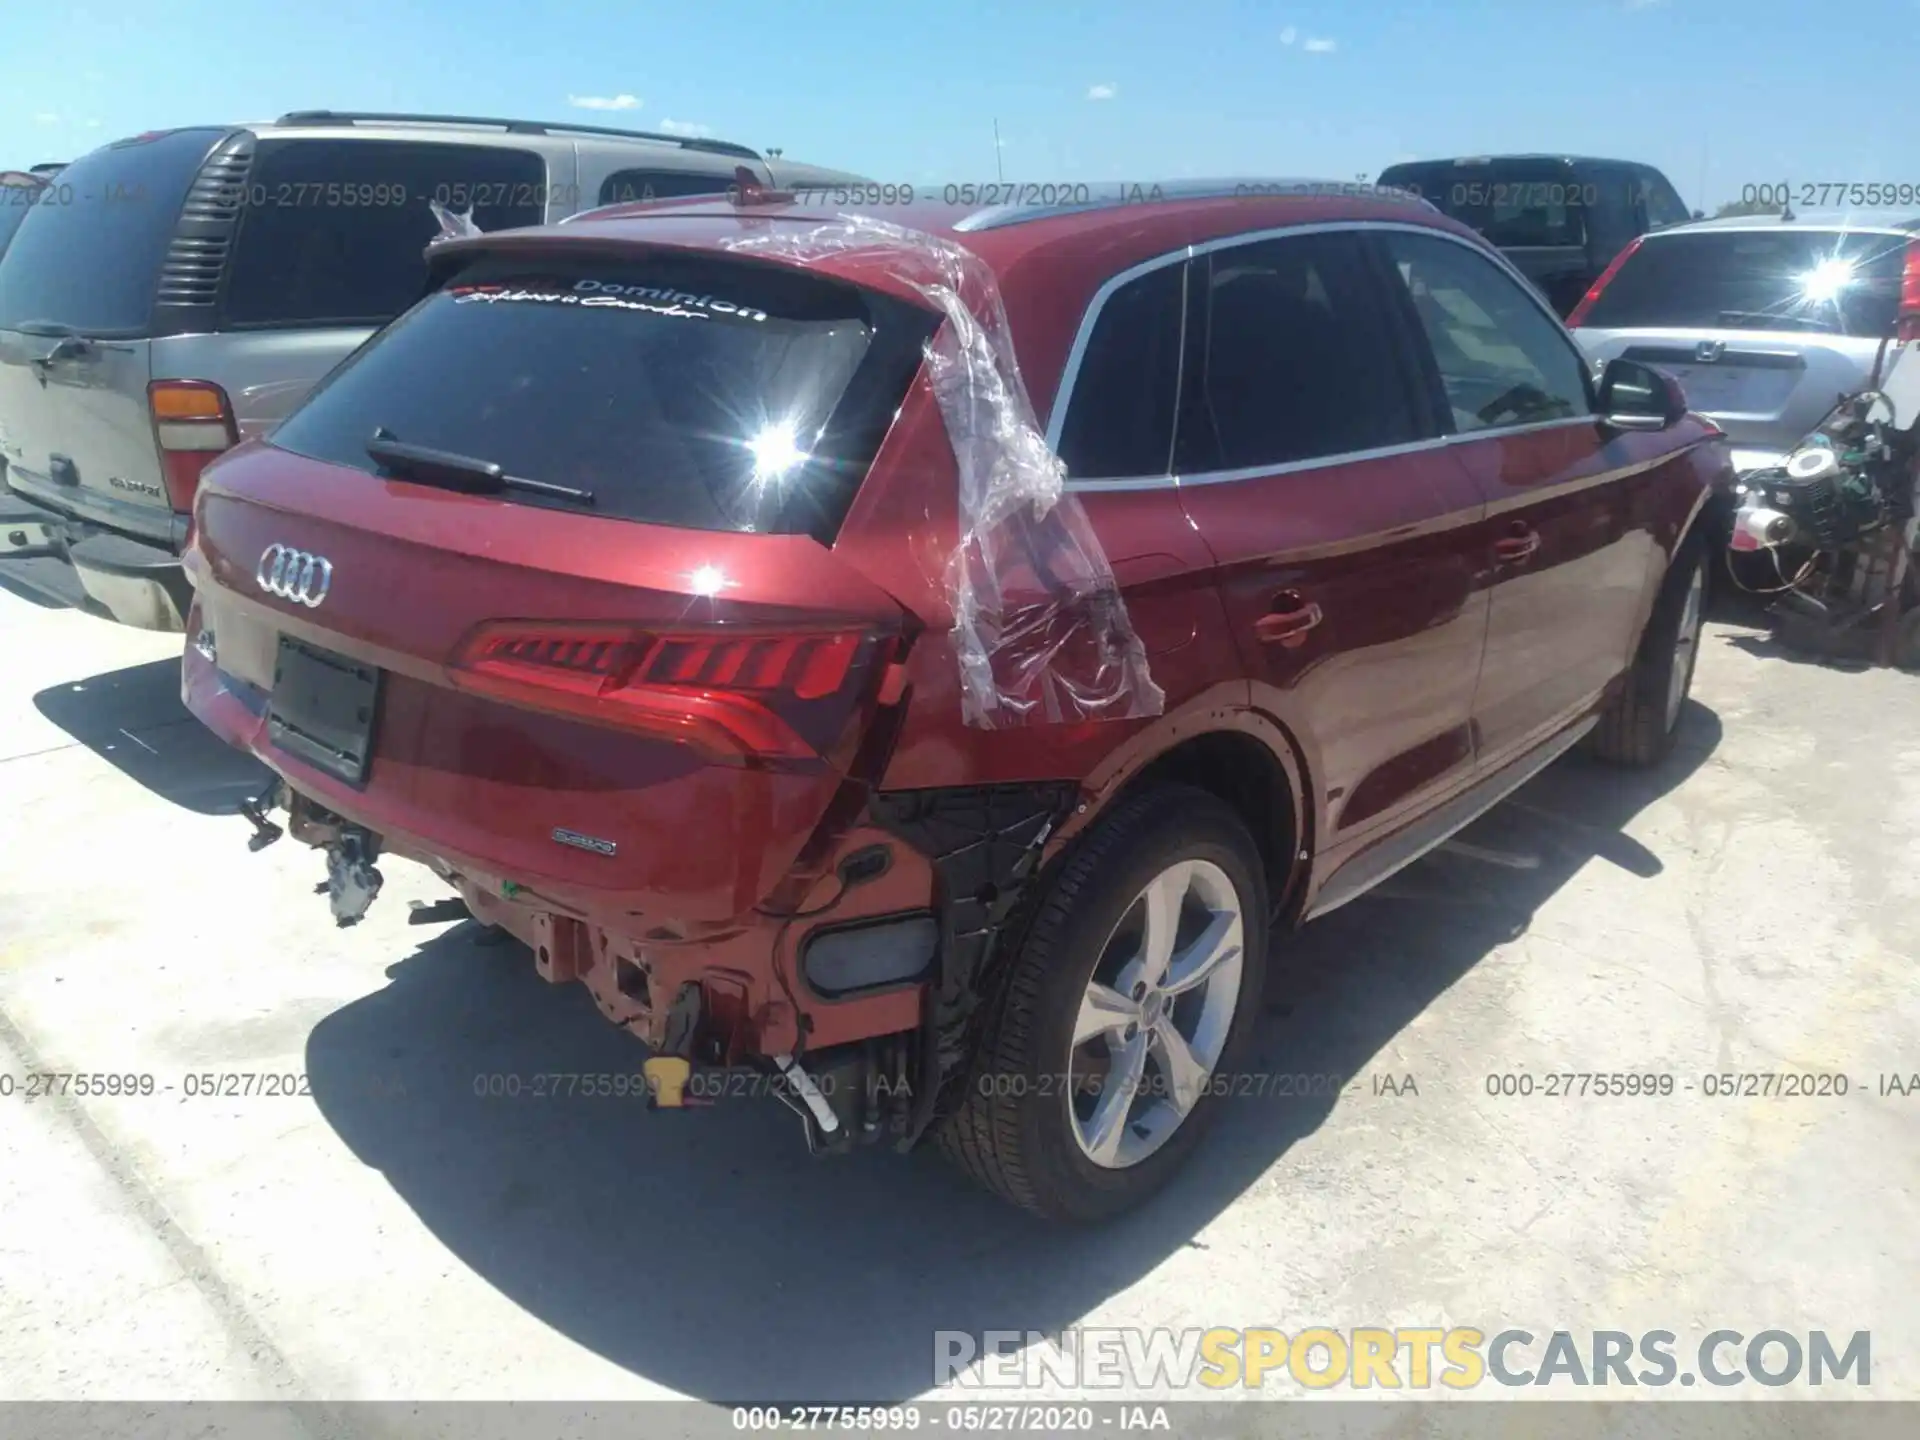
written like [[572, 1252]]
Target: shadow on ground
[[45, 580], [707, 1252], [134, 718]]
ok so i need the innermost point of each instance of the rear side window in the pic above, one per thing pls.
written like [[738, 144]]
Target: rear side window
[[1119, 421], [1501, 361], [695, 393], [334, 231], [1515, 204], [15, 201], [624, 186], [1664, 206], [1819, 281], [1299, 361], [87, 255]]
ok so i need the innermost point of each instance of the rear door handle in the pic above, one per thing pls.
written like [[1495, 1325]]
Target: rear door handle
[[1289, 621], [1520, 544]]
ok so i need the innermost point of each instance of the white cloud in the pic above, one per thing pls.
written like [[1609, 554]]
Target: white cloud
[[1102, 92], [46, 117], [93, 124], [604, 102], [1289, 35], [1321, 47], [689, 128]]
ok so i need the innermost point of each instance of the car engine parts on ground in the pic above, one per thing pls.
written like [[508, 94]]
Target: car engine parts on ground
[[1830, 534]]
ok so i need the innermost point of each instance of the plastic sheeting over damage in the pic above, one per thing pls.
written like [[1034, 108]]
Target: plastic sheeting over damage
[[1040, 630], [454, 224]]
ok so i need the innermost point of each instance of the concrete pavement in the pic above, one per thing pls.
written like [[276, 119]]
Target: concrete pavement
[[385, 1232]]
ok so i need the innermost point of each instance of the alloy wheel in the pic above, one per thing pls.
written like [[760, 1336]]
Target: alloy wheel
[[1686, 647], [1156, 1014]]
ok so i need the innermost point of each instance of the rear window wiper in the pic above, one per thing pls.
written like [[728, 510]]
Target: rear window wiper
[[451, 470]]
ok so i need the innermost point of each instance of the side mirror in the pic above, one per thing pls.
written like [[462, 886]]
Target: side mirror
[[1638, 397]]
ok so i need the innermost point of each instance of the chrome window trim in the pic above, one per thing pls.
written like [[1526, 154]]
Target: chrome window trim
[[1320, 462], [1070, 374]]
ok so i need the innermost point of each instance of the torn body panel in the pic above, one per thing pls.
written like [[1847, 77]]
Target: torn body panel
[[985, 845]]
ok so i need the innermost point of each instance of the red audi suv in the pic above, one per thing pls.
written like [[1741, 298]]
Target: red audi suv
[[694, 587]]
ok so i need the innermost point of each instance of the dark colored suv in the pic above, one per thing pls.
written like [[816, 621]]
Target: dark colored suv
[[693, 589], [177, 291], [1559, 218]]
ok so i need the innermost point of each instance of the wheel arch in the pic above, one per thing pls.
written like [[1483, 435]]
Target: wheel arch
[[1246, 758]]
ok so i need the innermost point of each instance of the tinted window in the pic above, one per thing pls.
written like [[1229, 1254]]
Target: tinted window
[[334, 231], [1827, 282], [1514, 203], [1299, 362], [626, 185], [1616, 211], [1664, 205], [1501, 360], [15, 201], [1120, 415], [88, 255], [710, 395]]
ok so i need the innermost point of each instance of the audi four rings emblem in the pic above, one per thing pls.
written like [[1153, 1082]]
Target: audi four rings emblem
[[294, 575]]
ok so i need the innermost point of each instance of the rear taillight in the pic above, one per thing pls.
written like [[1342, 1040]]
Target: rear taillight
[[1606, 276], [1908, 327], [192, 423], [769, 695]]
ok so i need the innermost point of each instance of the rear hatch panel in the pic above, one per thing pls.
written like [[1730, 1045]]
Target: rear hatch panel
[[1766, 389], [414, 572], [1764, 328], [722, 420], [78, 289]]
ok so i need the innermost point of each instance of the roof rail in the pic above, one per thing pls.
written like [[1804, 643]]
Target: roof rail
[[1110, 197], [512, 127]]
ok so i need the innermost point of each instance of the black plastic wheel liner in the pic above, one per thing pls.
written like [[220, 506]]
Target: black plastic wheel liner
[[985, 843]]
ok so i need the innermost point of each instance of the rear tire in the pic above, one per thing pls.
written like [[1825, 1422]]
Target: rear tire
[[1032, 1126], [1642, 723]]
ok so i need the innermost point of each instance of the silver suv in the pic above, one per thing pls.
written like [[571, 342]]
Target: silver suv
[[174, 293], [1765, 322]]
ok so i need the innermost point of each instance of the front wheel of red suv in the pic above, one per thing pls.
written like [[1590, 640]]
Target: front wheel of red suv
[[1640, 726], [1123, 1011]]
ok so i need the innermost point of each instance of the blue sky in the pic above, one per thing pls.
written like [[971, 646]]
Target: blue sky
[[1122, 90]]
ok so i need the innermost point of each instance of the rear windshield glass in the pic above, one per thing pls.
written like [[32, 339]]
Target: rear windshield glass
[[626, 185], [15, 201], [87, 256], [1819, 281], [1514, 206], [334, 231], [684, 392]]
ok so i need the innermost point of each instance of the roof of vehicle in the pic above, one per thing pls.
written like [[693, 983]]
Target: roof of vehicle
[[1876, 221], [1048, 265], [1539, 155], [406, 121], [1179, 211]]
